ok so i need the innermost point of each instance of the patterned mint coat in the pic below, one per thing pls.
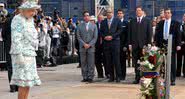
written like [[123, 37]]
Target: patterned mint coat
[[24, 43], [24, 36]]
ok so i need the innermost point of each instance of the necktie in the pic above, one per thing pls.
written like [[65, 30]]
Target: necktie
[[86, 25], [139, 20], [166, 30], [99, 25], [183, 27], [109, 23]]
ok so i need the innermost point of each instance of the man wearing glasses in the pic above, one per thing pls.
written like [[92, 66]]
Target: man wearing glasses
[[111, 30], [87, 34]]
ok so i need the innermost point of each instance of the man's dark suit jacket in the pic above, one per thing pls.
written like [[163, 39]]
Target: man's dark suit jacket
[[174, 30], [124, 34], [139, 33], [98, 42], [114, 31], [183, 32], [6, 33]]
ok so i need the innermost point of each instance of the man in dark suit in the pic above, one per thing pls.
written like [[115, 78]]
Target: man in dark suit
[[164, 29], [111, 29], [181, 53], [139, 31], [99, 50], [123, 43], [6, 34]]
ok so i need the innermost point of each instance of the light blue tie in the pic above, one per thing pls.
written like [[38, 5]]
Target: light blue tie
[[166, 30]]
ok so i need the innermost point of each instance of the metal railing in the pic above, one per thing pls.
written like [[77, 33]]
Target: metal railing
[[168, 68]]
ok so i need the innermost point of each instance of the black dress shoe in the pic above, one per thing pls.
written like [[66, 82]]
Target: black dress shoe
[[108, 76], [122, 78], [178, 75], [90, 81], [78, 66], [84, 80], [17, 88], [173, 83], [111, 80], [117, 80], [13, 90], [100, 76], [136, 82]]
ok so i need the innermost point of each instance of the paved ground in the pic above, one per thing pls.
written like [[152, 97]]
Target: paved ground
[[63, 82]]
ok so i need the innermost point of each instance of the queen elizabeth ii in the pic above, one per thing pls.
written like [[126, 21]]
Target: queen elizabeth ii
[[23, 46]]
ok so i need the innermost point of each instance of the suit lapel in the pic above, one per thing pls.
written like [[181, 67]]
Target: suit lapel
[[162, 29], [89, 26], [135, 21], [171, 26], [106, 20], [142, 20], [97, 24], [112, 23]]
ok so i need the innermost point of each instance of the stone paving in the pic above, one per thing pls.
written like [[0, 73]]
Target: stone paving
[[63, 82]]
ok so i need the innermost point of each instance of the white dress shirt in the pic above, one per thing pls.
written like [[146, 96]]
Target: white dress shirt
[[1, 38], [139, 19], [87, 26], [122, 19], [153, 31], [166, 35]]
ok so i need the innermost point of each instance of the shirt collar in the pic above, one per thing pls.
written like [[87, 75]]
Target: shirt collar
[[169, 20], [122, 19], [110, 19], [183, 22], [87, 23], [140, 18]]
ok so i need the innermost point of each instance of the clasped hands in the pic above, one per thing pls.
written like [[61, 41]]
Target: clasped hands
[[87, 46], [108, 38]]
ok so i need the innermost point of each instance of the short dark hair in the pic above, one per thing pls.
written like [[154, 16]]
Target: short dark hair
[[120, 10], [167, 9], [139, 7], [85, 12]]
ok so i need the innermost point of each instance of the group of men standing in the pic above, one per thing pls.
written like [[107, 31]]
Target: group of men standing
[[105, 44]]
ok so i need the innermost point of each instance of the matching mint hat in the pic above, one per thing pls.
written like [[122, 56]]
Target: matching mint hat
[[30, 4]]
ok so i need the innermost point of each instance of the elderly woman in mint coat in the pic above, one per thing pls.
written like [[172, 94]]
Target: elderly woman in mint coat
[[24, 43]]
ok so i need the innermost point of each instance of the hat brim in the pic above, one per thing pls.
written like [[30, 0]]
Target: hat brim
[[31, 7]]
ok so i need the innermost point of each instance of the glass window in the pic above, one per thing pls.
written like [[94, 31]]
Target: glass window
[[171, 3], [75, 8], [179, 3], [149, 6]]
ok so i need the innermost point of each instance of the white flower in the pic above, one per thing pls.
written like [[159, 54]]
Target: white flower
[[151, 66], [154, 48], [145, 82], [144, 62]]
